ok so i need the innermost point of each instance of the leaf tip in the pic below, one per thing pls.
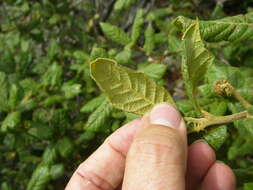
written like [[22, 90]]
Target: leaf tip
[[100, 68]]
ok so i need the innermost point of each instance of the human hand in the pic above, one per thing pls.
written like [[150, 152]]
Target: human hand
[[151, 154]]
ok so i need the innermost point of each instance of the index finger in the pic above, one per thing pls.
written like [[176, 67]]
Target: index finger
[[104, 169]]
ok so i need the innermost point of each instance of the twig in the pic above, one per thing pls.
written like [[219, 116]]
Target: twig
[[132, 14], [108, 11], [200, 124], [241, 99], [223, 87]]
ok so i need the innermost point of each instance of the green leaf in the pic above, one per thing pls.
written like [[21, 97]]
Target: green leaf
[[7, 62], [91, 105], [250, 110], [149, 44], [30, 86], [153, 70], [207, 90], [187, 107], [3, 92], [159, 13], [247, 124], [184, 106], [243, 175], [124, 56], [196, 60], [128, 90], [71, 89], [53, 100], [55, 18], [118, 114], [218, 12], [98, 118], [97, 52], [53, 76], [15, 96], [242, 143], [9, 141], [115, 33], [248, 186], [57, 171], [130, 117], [80, 56], [123, 4], [40, 178], [25, 45], [240, 147], [219, 108], [159, 37], [50, 155], [65, 147], [137, 26], [115, 125], [53, 49], [27, 104], [236, 28], [5, 186], [11, 121], [85, 137], [216, 136], [175, 43], [41, 131]]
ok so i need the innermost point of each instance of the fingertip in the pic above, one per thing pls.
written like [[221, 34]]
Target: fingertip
[[201, 152], [165, 115], [200, 158], [219, 177], [168, 116]]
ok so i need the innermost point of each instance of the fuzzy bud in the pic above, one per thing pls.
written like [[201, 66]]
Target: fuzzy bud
[[223, 87]]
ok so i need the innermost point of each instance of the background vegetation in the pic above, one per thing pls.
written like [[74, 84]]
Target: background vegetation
[[52, 114]]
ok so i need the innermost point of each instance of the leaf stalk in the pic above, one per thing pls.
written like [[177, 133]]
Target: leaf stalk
[[241, 99]]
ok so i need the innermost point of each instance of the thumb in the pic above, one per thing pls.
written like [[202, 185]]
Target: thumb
[[157, 156]]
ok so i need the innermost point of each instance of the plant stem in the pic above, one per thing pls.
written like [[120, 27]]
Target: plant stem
[[223, 87], [241, 99], [200, 124], [216, 120]]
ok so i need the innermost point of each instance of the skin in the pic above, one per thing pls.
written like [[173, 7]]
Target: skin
[[151, 153]]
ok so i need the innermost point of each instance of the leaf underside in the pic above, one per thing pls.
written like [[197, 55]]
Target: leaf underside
[[196, 60], [127, 89], [236, 28]]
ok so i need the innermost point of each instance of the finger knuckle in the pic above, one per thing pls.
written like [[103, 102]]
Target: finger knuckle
[[91, 179], [159, 146]]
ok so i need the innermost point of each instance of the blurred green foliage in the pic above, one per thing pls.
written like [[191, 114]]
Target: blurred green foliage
[[52, 114]]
